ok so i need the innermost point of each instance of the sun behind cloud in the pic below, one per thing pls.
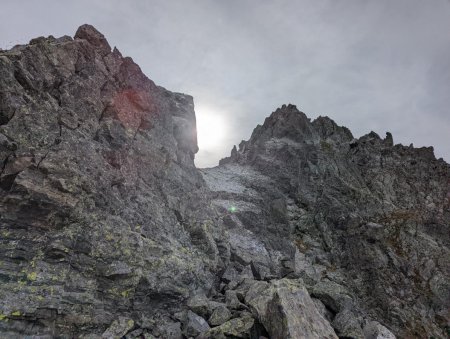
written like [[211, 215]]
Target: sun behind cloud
[[211, 134]]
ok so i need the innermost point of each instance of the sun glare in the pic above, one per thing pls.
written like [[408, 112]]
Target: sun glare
[[211, 129]]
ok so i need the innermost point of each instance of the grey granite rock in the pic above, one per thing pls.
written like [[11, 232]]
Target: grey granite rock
[[374, 330], [118, 328], [194, 325], [220, 315], [348, 325], [102, 211], [104, 216], [364, 222], [286, 310], [235, 328], [201, 305]]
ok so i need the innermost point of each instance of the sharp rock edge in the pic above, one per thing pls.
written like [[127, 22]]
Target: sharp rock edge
[[109, 230]]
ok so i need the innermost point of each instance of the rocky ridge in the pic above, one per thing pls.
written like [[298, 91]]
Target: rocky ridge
[[109, 230], [363, 222]]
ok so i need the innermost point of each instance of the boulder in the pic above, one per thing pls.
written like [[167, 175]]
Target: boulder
[[118, 328], [234, 328], [332, 295], [200, 304], [194, 325], [230, 274], [286, 310], [348, 325], [220, 315], [374, 330], [233, 301]]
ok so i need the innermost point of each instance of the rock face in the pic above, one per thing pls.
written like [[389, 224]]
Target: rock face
[[103, 212], [107, 229], [365, 223]]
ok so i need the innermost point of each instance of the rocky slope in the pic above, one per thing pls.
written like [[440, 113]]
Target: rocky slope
[[366, 221], [108, 229]]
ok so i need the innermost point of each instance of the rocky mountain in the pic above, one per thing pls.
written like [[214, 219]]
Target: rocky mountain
[[108, 230]]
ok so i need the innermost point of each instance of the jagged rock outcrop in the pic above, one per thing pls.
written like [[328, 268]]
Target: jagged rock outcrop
[[365, 223], [108, 229], [102, 211]]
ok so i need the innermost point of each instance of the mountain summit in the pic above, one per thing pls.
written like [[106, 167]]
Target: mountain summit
[[108, 230]]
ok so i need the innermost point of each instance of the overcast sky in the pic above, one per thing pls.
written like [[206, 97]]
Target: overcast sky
[[381, 65]]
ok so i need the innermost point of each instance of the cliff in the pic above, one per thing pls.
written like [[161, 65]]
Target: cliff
[[108, 229]]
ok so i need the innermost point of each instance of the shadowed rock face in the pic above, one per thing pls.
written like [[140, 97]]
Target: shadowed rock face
[[102, 210], [363, 222], [107, 228]]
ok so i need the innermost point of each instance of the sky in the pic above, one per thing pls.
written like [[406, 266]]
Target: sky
[[381, 65]]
